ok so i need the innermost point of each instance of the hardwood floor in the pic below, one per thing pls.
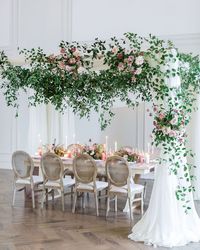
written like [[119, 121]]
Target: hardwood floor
[[23, 228]]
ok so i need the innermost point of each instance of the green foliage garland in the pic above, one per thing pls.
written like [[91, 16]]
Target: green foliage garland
[[134, 69]]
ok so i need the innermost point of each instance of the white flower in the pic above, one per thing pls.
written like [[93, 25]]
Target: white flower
[[68, 68], [173, 52], [139, 60], [82, 70], [76, 53], [174, 121], [166, 130], [138, 71]]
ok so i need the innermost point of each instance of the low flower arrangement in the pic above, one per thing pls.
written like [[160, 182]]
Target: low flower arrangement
[[96, 151], [128, 155], [58, 149]]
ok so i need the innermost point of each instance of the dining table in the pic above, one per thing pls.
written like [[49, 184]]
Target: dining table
[[137, 169]]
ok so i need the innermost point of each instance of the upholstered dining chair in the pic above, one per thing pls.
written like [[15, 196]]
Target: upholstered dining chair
[[53, 171], [120, 182], [23, 167], [85, 173]]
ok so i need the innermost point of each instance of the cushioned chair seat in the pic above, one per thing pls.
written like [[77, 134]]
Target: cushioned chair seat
[[67, 182], [27, 181], [100, 185], [135, 188]]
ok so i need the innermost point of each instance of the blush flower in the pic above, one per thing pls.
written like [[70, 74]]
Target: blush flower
[[72, 60], [115, 50], [62, 50], [138, 71], [174, 121], [120, 66], [161, 116], [133, 79], [76, 53], [73, 49], [130, 59], [61, 65], [172, 133], [68, 68]]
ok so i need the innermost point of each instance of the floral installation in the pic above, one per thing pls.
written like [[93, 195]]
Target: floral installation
[[132, 75]]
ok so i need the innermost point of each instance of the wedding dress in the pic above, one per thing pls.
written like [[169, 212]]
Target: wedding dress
[[165, 222]]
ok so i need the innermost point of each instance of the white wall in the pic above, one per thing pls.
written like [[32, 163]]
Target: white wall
[[103, 18], [31, 23]]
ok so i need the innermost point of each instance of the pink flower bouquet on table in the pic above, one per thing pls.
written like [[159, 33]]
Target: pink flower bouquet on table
[[96, 151]]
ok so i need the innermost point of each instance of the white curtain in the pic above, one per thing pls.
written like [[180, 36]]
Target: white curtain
[[60, 126], [47, 124]]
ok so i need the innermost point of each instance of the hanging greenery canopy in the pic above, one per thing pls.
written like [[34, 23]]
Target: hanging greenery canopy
[[133, 69]]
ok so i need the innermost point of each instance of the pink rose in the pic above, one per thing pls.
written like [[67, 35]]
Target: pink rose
[[120, 66], [72, 60], [155, 109], [115, 50], [120, 56], [76, 53], [73, 49], [62, 50], [161, 116], [61, 65]]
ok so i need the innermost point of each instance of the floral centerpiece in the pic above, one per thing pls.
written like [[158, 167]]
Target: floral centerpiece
[[59, 150], [129, 155], [96, 151]]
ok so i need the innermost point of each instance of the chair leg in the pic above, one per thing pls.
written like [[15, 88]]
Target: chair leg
[[108, 205], [43, 198], [130, 208], [14, 194], [115, 203], [74, 202], [63, 200], [83, 198], [47, 196], [142, 203], [145, 190], [33, 198], [96, 203], [52, 195], [33, 195]]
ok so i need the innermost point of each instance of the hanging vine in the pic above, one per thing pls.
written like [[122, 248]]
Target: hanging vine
[[133, 69]]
